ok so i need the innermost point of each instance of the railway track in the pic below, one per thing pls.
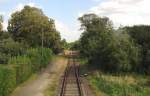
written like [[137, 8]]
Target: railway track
[[70, 83]]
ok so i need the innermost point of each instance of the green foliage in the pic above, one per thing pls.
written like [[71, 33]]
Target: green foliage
[[4, 35], [22, 66], [105, 48], [28, 30], [19, 68], [64, 44], [7, 80], [35, 57], [32, 27], [111, 88], [74, 45], [141, 35], [4, 58], [9, 48]]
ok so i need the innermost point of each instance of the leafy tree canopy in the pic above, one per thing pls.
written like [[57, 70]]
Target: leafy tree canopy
[[141, 35], [31, 26], [104, 47]]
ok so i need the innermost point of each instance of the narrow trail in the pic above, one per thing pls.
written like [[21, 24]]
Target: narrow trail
[[43, 81]]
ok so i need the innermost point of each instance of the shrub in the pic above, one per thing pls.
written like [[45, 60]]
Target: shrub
[[35, 57], [31, 62], [7, 80], [22, 66], [4, 58], [19, 68], [8, 48]]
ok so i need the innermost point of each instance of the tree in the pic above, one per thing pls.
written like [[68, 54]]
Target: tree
[[104, 47], [9, 48], [64, 44], [75, 45], [141, 35], [31, 26]]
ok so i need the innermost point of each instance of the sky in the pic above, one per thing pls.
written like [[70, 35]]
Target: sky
[[66, 12]]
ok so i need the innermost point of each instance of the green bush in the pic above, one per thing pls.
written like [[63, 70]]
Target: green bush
[[23, 67], [10, 48], [4, 58], [31, 62], [19, 68], [7, 80], [35, 57]]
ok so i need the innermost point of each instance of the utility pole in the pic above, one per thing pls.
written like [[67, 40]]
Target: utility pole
[[42, 40], [42, 44]]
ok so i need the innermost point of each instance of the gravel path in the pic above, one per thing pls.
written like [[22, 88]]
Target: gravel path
[[41, 83]]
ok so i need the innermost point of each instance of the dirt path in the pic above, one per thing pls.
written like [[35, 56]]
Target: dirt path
[[38, 86]]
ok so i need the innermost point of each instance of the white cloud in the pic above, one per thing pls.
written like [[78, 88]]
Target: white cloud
[[20, 6], [124, 12], [31, 4], [2, 13], [66, 32], [62, 28], [5, 24]]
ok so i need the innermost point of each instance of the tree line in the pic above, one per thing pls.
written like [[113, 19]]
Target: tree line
[[126, 49], [28, 28], [26, 47]]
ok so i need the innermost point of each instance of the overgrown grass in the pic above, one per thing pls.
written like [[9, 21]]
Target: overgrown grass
[[116, 84], [51, 90], [119, 85]]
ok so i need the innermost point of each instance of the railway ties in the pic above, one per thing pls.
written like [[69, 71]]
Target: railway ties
[[71, 85]]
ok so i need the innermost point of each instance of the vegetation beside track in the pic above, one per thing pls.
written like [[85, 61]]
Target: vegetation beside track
[[20, 68], [108, 84], [117, 56], [26, 47], [128, 85]]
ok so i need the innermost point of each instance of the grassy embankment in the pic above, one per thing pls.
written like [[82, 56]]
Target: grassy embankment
[[130, 84]]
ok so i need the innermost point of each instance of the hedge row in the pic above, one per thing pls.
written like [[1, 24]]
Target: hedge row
[[7, 80], [19, 68]]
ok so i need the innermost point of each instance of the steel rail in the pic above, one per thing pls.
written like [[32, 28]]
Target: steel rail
[[76, 74], [64, 80], [78, 78]]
